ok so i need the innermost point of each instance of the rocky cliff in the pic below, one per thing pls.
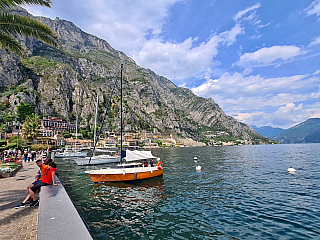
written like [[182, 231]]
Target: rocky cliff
[[65, 82]]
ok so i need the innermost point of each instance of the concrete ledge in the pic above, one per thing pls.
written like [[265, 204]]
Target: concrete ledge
[[58, 217]]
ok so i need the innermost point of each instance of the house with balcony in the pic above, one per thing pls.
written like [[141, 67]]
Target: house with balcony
[[57, 125]]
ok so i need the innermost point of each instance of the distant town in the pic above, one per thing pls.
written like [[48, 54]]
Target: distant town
[[58, 133]]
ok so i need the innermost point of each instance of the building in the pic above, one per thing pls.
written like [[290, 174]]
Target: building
[[46, 133], [106, 143], [57, 125], [60, 140]]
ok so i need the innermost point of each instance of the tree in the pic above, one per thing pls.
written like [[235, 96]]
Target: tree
[[23, 110], [31, 127], [13, 24]]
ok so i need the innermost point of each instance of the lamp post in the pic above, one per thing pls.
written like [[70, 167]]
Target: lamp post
[[5, 131], [18, 140]]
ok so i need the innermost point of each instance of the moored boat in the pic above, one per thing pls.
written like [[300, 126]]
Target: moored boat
[[129, 171], [96, 160], [70, 154]]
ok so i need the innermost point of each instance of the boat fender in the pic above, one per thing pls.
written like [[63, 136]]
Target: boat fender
[[124, 172], [160, 164]]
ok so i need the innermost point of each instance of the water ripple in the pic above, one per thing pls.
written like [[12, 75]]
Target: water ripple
[[240, 193]]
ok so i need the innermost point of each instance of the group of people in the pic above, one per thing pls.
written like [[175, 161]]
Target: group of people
[[45, 176], [7, 154], [145, 163]]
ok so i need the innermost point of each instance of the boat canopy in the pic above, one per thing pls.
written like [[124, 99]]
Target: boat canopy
[[138, 155]]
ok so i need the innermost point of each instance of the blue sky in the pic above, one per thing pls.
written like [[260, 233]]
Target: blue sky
[[259, 60]]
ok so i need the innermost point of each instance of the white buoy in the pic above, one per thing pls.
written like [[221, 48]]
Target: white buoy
[[198, 168], [195, 159], [291, 170]]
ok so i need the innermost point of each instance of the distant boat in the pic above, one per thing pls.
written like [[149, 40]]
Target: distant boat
[[99, 159], [133, 168], [70, 154], [102, 150]]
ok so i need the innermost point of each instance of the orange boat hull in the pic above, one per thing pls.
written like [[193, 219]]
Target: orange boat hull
[[125, 177]]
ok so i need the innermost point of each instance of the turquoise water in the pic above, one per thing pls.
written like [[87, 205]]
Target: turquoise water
[[241, 192]]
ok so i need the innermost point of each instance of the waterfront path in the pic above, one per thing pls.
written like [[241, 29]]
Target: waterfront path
[[18, 223]]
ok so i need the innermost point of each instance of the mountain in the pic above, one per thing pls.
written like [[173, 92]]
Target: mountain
[[267, 131], [305, 132], [65, 83]]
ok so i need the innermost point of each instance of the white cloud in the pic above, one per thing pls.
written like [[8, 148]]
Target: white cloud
[[237, 85], [244, 117], [177, 60], [184, 60], [124, 24], [269, 55], [263, 101], [314, 42], [229, 37], [316, 72], [316, 94], [314, 8], [243, 15]]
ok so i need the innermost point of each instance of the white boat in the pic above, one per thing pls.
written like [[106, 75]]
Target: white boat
[[129, 171], [96, 160], [102, 150], [70, 154]]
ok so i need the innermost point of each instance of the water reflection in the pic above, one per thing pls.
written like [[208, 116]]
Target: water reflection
[[123, 204]]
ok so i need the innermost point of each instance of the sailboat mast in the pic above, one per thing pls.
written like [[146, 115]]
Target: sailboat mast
[[95, 120], [121, 124], [75, 143]]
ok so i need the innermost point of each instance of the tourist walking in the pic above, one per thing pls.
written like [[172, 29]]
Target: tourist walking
[[25, 156], [29, 156]]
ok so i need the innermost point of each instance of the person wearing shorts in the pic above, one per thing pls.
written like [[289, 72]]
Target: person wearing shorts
[[40, 174], [46, 180]]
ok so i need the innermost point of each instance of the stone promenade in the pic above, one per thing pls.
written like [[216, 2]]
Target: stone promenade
[[18, 223]]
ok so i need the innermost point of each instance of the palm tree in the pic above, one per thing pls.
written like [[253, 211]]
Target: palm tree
[[31, 127], [13, 24]]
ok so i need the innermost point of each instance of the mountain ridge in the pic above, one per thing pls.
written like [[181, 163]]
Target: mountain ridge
[[61, 82], [305, 132], [267, 131]]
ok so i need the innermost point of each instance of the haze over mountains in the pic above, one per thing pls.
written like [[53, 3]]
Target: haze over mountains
[[66, 83]]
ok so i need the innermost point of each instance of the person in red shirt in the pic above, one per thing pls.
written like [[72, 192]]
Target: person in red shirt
[[40, 174], [46, 180]]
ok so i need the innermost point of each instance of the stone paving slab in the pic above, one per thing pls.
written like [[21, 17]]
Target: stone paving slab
[[18, 223]]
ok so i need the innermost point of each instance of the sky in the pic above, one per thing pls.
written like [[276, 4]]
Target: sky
[[259, 60]]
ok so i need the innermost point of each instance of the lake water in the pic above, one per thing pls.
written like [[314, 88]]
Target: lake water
[[241, 192]]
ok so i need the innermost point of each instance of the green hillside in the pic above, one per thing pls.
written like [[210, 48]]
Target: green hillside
[[305, 132]]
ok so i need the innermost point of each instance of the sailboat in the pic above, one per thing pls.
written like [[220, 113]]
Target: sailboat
[[131, 165], [73, 153], [111, 157]]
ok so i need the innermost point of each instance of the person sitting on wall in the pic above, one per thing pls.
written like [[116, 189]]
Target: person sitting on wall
[[40, 174], [50, 176]]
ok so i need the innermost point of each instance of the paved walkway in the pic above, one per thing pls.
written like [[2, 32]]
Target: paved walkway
[[18, 223]]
